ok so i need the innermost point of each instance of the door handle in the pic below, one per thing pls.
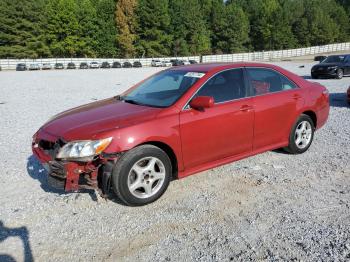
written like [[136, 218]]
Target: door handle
[[246, 108], [296, 96]]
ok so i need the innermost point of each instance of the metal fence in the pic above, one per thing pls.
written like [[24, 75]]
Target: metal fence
[[253, 56], [277, 55]]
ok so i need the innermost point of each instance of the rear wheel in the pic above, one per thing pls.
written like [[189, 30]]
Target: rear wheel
[[340, 74], [301, 135], [142, 175], [313, 76]]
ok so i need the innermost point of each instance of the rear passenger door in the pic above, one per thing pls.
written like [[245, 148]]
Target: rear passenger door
[[276, 102]]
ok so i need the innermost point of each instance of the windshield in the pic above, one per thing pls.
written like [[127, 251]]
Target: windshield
[[334, 59], [163, 89]]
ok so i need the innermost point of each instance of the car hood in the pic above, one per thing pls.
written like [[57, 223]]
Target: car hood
[[326, 65], [87, 121]]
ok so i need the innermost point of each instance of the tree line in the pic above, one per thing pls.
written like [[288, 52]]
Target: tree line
[[152, 28]]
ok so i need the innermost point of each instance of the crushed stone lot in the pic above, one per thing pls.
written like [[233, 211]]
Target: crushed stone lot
[[273, 206]]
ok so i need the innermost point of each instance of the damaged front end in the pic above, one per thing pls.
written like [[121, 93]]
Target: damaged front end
[[74, 174]]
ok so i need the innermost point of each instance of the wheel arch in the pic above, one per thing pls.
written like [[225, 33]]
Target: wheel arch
[[312, 115]]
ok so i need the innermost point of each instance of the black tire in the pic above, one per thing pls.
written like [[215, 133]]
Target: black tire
[[120, 174], [293, 148], [314, 76], [340, 73]]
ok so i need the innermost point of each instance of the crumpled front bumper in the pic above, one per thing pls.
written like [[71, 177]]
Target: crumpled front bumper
[[69, 175]]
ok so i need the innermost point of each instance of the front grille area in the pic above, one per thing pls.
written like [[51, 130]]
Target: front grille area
[[51, 148], [46, 145]]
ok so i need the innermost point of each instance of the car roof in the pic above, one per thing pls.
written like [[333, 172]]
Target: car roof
[[206, 67]]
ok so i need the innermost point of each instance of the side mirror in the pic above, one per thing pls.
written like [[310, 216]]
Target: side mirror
[[201, 102]]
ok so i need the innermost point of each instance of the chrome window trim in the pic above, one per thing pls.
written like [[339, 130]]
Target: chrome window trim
[[187, 106]]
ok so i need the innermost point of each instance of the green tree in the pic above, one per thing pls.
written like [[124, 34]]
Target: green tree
[[107, 32], [88, 28], [230, 28], [126, 23], [153, 23], [188, 28], [62, 34], [21, 24]]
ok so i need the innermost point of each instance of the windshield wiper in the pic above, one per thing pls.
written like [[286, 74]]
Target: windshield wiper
[[131, 101], [119, 97]]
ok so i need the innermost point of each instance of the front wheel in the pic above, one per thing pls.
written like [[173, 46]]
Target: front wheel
[[141, 175], [301, 135], [340, 74]]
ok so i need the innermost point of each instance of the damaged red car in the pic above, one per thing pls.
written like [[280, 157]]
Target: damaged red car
[[178, 122]]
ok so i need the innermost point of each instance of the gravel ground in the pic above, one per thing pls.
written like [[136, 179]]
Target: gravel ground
[[273, 206]]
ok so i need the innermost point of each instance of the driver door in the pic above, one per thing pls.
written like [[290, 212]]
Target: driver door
[[220, 131]]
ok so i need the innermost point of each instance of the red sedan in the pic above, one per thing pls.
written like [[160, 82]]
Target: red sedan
[[179, 122], [348, 95]]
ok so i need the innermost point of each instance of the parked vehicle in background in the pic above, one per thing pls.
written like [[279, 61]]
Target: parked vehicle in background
[[320, 58], [71, 65], [34, 66], [176, 62], [222, 113], [335, 66], [21, 67], [94, 65], [166, 63], [116, 65], [46, 66], [137, 64], [192, 62], [105, 65], [156, 63], [59, 66], [83, 65], [185, 62], [127, 65], [348, 95]]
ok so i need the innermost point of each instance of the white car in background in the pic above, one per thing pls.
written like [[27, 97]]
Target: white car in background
[[46, 66], [186, 62], [166, 63], [34, 66], [156, 63], [94, 65]]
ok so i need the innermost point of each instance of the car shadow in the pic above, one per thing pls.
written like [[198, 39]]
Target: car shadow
[[36, 171], [338, 100], [20, 232]]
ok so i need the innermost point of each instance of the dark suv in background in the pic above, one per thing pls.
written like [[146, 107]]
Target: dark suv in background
[[21, 67], [105, 65], [59, 66], [116, 65], [71, 65], [83, 65], [335, 66]]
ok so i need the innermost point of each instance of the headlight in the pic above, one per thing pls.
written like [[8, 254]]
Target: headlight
[[80, 149]]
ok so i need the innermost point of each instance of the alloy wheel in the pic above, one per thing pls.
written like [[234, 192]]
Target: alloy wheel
[[146, 177], [303, 134]]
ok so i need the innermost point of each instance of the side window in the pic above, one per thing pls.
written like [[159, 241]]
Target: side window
[[287, 84], [265, 81], [347, 59], [225, 86]]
